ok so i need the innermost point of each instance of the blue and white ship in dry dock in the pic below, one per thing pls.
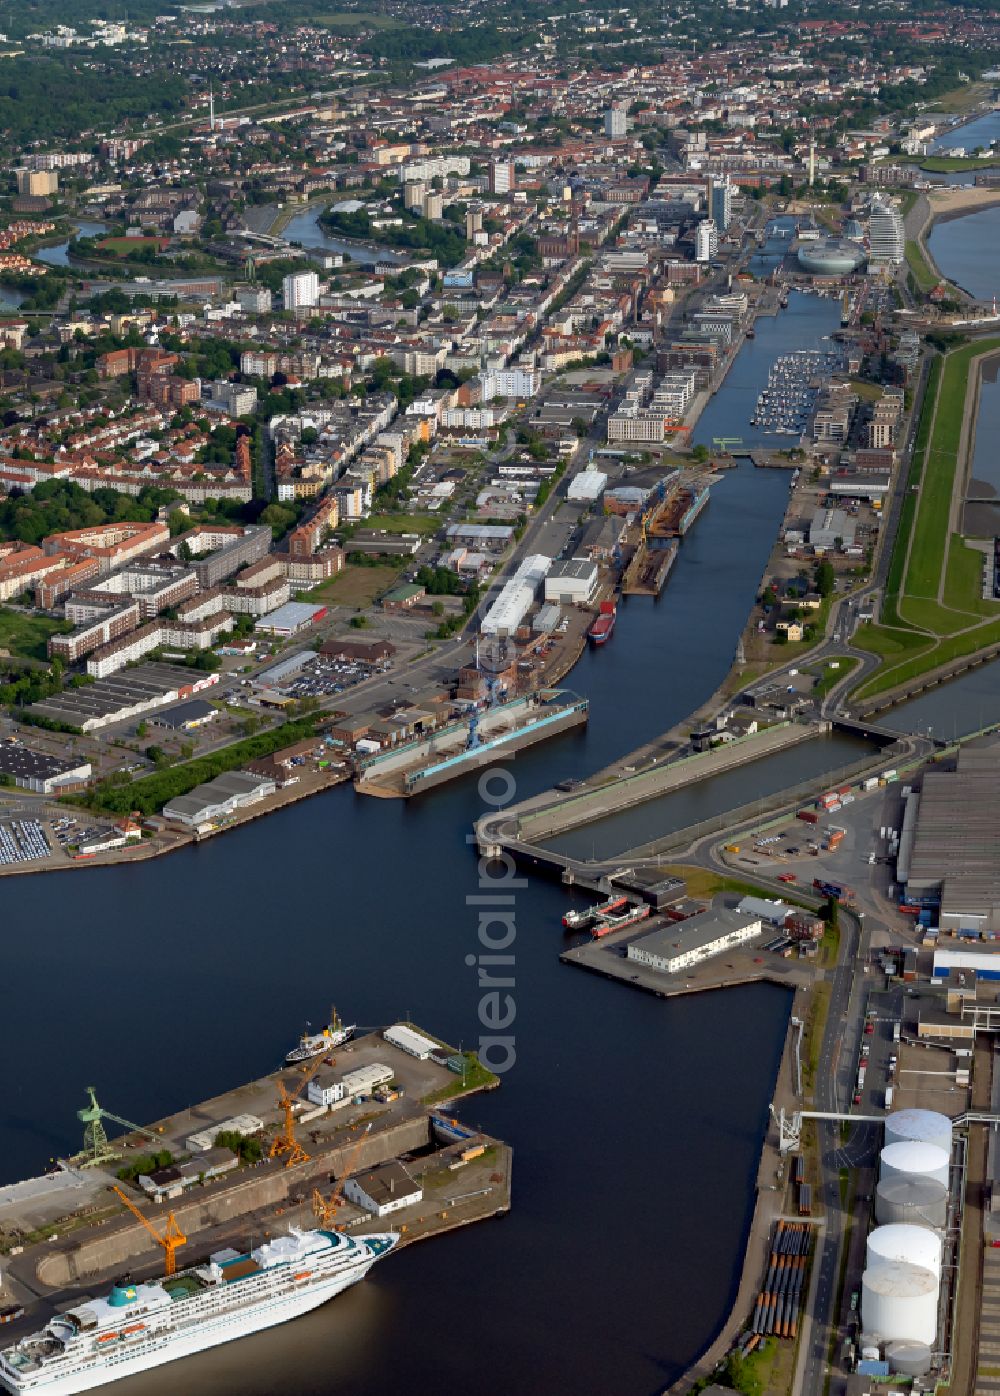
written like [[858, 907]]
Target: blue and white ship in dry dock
[[139, 1326]]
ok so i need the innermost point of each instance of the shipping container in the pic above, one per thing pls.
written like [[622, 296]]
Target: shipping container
[[888, 1097], [810, 816]]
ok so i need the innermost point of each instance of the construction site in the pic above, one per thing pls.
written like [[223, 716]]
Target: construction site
[[239, 1169]]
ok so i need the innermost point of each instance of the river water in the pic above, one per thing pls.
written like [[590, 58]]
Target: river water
[[58, 254], [305, 228], [636, 1123]]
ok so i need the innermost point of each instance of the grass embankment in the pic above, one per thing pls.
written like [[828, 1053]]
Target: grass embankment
[[923, 273], [815, 1026], [936, 612], [26, 636], [476, 1077]]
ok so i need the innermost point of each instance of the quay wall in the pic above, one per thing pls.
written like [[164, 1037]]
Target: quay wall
[[267, 1186]]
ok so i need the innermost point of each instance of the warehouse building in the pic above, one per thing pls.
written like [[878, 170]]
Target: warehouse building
[[34, 770], [684, 944], [408, 1040], [571, 583], [290, 618], [955, 852], [218, 799]]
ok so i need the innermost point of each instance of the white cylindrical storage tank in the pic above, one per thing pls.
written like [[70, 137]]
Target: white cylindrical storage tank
[[908, 1359], [912, 1158], [914, 1244], [899, 1302], [924, 1126], [911, 1200]]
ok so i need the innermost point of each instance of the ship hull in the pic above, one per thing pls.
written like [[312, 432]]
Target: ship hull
[[170, 1347]]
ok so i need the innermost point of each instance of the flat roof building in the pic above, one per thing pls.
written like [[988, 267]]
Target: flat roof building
[[34, 770], [683, 944], [955, 855], [408, 1040]]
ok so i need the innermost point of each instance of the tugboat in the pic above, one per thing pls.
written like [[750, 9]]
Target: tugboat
[[312, 1044]]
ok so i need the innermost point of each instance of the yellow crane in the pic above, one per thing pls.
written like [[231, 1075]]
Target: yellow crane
[[285, 1141], [325, 1208], [169, 1240]]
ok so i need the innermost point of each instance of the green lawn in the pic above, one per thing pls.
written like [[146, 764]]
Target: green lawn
[[25, 636], [405, 523], [477, 1077], [831, 673], [929, 615], [887, 640], [923, 273]]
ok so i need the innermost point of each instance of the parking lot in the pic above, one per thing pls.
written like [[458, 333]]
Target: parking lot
[[23, 841], [323, 676]]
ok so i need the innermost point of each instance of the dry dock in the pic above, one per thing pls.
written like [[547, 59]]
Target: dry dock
[[68, 1233], [465, 746]]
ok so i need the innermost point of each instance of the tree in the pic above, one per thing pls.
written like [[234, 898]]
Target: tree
[[699, 452], [824, 577]]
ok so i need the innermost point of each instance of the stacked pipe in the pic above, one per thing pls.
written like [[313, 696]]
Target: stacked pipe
[[780, 1300]]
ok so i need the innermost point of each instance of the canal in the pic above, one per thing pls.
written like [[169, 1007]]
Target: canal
[[167, 983]]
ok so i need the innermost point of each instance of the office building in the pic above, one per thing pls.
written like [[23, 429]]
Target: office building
[[720, 204], [683, 944]]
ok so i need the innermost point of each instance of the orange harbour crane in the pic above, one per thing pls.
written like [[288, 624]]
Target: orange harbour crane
[[325, 1208], [285, 1141], [170, 1240]]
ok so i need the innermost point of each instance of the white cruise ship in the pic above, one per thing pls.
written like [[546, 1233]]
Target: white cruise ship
[[139, 1326]]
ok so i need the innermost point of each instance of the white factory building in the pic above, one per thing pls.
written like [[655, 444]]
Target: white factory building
[[516, 597], [572, 582], [326, 1090], [587, 487], [682, 944]]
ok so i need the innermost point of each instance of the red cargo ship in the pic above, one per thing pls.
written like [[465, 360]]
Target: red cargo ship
[[607, 924], [600, 631]]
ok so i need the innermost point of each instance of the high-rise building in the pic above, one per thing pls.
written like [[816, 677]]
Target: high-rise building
[[721, 204], [433, 205], [886, 235], [300, 289], [706, 240], [502, 178], [473, 222], [414, 191], [615, 123]]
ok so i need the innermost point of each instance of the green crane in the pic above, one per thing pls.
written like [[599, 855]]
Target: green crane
[[96, 1148]]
